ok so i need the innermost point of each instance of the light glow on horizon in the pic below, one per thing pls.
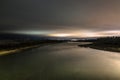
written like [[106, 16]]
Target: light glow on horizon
[[76, 33], [59, 35], [87, 34], [109, 33]]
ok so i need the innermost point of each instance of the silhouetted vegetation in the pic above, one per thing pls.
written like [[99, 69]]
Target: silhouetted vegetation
[[16, 44], [106, 43]]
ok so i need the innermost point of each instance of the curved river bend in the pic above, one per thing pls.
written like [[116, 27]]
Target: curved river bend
[[64, 61]]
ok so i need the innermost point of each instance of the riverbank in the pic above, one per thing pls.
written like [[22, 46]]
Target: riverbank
[[107, 44], [6, 52], [14, 48]]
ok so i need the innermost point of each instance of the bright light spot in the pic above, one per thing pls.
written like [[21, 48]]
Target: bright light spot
[[88, 34], [84, 34], [59, 35]]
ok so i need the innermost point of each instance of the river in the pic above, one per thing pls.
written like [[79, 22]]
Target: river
[[65, 61]]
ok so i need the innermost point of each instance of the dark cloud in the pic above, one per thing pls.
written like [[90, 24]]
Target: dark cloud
[[59, 14]]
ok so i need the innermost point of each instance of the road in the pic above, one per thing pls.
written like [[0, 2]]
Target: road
[[65, 61]]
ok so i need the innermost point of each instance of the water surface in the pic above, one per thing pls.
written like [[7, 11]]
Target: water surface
[[64, 61]]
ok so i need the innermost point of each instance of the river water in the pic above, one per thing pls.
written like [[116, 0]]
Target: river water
[[65, 61]]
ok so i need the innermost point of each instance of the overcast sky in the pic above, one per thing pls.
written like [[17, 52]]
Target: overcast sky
[[59, 15]]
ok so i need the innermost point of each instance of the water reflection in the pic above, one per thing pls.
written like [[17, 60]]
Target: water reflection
[[61, 62]]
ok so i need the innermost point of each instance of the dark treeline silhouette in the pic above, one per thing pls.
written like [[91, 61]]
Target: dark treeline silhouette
[[108, 41], [16, 44], [105, 43], [10, 41]]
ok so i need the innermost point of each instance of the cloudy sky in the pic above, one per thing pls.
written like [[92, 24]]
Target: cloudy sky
[[59, 15]]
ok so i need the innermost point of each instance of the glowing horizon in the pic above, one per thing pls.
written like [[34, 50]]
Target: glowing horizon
[[76, 33], [88, 34]]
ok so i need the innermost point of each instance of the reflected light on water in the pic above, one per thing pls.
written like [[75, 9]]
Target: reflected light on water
[[64, 61]]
